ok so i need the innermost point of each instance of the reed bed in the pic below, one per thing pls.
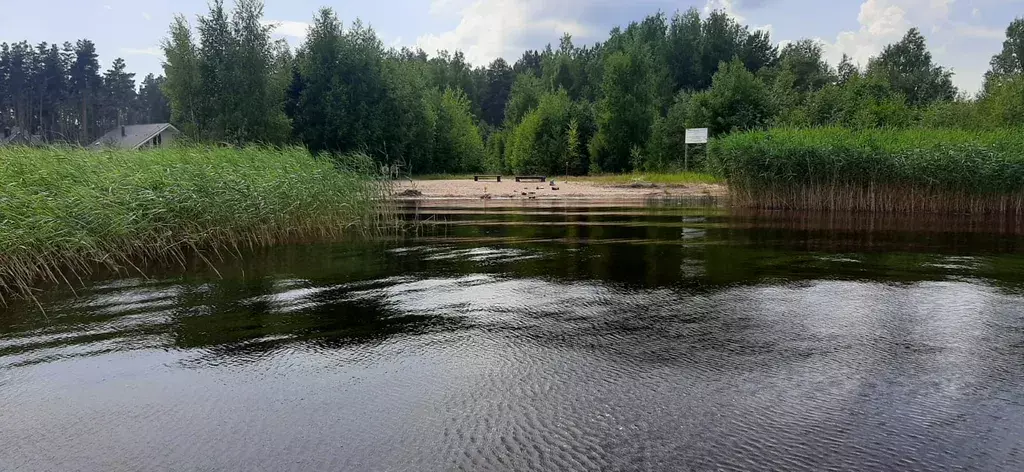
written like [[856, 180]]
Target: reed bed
[[907, 171], [65, 212]]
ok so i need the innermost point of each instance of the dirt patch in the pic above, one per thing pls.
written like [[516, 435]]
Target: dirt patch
[[647, 185], [409, 193]]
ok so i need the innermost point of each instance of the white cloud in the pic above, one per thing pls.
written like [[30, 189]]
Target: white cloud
[[489, 29], [150, 51], [728, 6], [147, 16], [884, 22], [974, 31], [294, 29], [108, 7]]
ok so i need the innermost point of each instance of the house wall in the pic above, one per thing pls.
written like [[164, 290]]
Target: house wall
[[166, 138]]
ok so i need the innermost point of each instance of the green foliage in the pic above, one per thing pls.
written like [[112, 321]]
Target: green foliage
[[183, 84], [1010, 61], [1003, 104], [627, 111], [458, 146], [523, 98], [861, 102], [65, 209], [907, 65], [540, 143], [804, 60], [500, 78], [668, 138], [228, 87], [736, 101], [494, 152], [958, 114]]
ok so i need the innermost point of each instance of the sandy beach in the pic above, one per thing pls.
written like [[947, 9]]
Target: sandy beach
[[509, 189]]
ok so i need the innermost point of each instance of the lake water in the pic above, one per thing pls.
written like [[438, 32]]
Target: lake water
[[669, 337]]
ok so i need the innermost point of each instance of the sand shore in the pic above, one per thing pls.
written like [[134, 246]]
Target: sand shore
[[509, 189]]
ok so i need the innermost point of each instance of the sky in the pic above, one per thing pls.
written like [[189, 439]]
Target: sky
[[962, 34]]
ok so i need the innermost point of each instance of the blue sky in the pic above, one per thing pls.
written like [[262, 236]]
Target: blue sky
[[963, 34]]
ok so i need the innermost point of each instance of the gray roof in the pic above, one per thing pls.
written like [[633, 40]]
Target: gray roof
[[18, 136], [13, 134], [134, 135]]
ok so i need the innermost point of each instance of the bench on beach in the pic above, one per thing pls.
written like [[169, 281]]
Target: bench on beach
[[477, 178], [538, 178]]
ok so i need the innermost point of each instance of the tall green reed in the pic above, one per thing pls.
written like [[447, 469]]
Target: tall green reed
[[912, 170], [66, 211]]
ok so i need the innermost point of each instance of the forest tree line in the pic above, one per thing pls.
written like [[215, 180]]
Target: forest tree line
[[58, 93], [618, 105]]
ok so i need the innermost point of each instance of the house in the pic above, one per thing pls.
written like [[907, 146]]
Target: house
[[18, 136], [155, 135]]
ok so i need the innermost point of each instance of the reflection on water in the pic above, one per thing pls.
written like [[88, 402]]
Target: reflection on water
[[542, 338]]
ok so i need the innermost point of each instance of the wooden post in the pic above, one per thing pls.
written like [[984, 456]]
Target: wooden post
[[686, 157]]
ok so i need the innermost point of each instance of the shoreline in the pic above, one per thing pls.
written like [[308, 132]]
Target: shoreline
[[561, 190]]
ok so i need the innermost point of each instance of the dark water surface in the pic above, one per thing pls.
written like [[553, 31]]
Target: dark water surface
[[542, 338]]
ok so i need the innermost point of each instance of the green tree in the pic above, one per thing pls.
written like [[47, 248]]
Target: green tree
[[458, 146], [736, 101], [118, 94], [668, 137], [153, 105], [846, 70], [524, 97], [627, 110], [758, 51], [540, 143], [684, 50], [216, 72], [500, 78], [908, 66], [1003, 104], [804, 59], [86, 84], [494, 152], [1010, 61], [721, 40], [183, 82]]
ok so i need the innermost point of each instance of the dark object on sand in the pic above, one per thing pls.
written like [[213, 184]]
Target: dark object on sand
[[539, 178], [477, 178], [411, 192]]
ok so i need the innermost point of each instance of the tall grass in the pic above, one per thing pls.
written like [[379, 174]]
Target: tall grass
[[665, 178], [67, 211], [913, 170]]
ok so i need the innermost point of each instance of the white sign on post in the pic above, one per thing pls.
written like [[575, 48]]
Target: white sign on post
[[696, 135]]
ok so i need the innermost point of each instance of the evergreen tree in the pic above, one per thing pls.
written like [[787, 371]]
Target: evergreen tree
[[153, 105], [119, 95], [85, 89], [500, 78]]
